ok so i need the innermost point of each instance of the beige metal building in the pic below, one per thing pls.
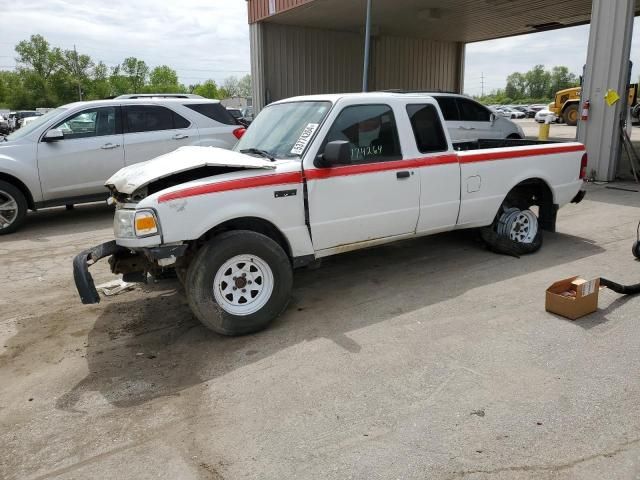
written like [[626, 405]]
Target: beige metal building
[[316, 46]]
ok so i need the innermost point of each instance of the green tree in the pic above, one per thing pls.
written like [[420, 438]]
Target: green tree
[[516, 85], [136, 72], [208, 89], [77, 68], [164, 79], [561, 78], [230, 87], [244, 86], [538, 82], [37, 62], [119, 83], [99, 87], [13, 94]]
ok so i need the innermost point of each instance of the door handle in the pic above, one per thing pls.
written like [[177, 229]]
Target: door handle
[[179, 136], [466, 128], [109, 146], [403, 174]]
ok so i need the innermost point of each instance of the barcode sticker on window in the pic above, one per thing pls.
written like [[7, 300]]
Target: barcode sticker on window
[[304, 139]]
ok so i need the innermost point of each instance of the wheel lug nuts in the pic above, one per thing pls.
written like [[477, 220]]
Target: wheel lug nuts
[[244, 274], [249, 282], [235, 288], [244, 290]]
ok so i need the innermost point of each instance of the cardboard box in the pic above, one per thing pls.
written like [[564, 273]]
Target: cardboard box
[[573, 297]]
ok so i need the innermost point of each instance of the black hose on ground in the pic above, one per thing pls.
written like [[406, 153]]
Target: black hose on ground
[[621, 289]]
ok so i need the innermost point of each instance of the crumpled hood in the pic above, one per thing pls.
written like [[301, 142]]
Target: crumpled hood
[[129, 179]]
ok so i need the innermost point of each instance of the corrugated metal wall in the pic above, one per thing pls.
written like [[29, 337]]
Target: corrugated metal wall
[[304, 61], [289, 61], [416, 64]]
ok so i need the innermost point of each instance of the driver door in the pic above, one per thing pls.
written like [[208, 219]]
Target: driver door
[[373, 196], [88, 154]]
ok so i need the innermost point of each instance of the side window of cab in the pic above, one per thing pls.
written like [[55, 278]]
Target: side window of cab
[[370, 131]]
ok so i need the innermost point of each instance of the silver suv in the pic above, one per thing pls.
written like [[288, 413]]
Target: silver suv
[[65, 156]]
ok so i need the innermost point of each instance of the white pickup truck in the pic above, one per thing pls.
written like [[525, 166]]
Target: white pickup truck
[[316, 176]]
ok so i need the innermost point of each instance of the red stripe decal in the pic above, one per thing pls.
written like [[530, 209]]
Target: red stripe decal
[[241, 183], [489, 156], [320, 173]]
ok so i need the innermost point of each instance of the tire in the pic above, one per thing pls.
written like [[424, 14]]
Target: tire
[[514, 136], [504, 234], [636, 249], [570, 115], [181, 275], [11, 218], [214, 285]]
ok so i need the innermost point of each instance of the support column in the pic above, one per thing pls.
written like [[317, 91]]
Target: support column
[[607, 68], [256, 40], [462, 52]]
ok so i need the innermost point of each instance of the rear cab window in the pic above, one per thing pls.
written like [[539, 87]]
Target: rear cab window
[[214, 111], [449, 108], [427, 128]]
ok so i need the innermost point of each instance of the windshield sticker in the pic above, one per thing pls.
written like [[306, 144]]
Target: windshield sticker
[[306, 135]]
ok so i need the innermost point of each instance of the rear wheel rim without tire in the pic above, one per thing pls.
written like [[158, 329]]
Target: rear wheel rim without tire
[[8, 210], [519, 225], [243, 285]]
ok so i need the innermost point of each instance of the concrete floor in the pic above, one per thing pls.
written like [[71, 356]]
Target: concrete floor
[[428, 359]]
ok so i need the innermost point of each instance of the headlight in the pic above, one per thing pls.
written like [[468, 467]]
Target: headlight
[[134, 223], [123, 224]]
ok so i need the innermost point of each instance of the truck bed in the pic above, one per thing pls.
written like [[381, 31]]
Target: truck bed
[[483, 144]]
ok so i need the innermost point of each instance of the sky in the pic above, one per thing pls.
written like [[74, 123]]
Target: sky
[[204, 39], [200, 39], [496, 59]]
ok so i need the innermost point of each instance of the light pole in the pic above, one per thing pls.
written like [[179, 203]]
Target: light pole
[[367, 48]]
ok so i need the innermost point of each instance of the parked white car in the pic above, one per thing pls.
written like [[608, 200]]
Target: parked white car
[[544, 114], [468, 120], [65, 156], [29, 120], [512, 113], [317, 176]]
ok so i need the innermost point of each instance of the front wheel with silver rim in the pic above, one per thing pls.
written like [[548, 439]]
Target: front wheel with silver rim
[[239, 282], [13, 208]]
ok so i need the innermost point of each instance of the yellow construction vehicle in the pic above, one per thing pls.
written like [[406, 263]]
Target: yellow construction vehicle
[[567, 102]]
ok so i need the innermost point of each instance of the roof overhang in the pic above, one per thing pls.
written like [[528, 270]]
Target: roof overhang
[[452, 20]]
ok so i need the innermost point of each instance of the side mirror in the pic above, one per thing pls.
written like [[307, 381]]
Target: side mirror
[[53, 135], [492, 118], [337, 152]]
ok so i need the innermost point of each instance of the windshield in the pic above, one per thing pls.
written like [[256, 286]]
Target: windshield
[[285, 129], [26, 130]]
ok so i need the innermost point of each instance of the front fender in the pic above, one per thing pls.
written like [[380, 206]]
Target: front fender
[[190, 218], [19, 162]]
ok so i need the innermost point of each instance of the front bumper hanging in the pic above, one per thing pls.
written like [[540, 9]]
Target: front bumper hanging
[[81, 263]]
